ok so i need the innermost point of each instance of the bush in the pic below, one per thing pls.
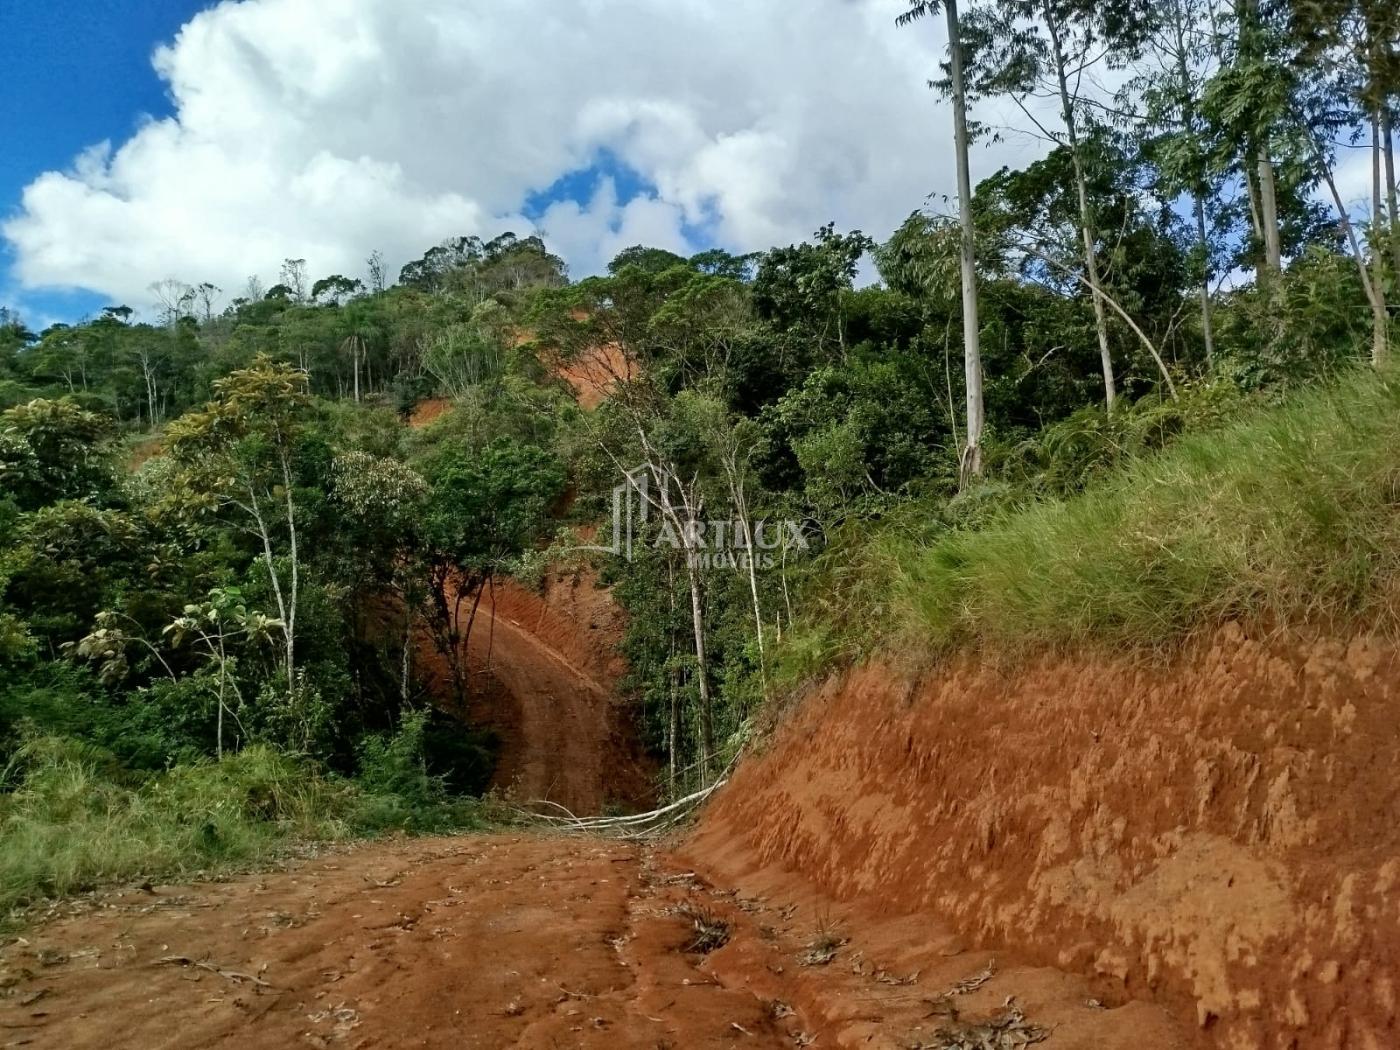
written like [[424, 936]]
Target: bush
[[399, 791], [76, 820]]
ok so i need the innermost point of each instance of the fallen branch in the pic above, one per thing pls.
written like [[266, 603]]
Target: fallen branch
[[229, 975], [633, 826]]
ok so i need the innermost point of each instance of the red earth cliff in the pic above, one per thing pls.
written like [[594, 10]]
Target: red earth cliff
[[1216, 833]]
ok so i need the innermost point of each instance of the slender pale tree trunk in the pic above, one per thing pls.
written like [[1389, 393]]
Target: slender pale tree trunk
[[1375, 295], [1268, 207], [697, 614], [294, 573], [1207, 325], [971, 465], [1086, 221], [1198, 193], [1388, 149], [673, 720], [1380, 314], [685, 520]]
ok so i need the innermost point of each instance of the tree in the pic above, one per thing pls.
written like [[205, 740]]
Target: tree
[[374, 267], [1044, 48], [383, 501], [174, 299], [483, 510], [239, 453], [469, 354], [294, 279], [216, 624], [206, 295], [799, 289], [652, 260], [971, 461], [1183, 41], [54, 450], [335, 289]]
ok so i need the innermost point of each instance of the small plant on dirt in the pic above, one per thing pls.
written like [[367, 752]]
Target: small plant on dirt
[[822, 948], [708, 931]]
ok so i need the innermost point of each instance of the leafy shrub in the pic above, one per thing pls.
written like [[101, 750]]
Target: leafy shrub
[[399, 791], [76, 820]]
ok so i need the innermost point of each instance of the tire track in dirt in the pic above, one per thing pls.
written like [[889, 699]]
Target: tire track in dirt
[[561, 733]]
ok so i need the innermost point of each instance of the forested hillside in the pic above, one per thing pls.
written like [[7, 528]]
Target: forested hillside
[[224, 549]]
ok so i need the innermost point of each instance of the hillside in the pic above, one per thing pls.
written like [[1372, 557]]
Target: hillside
[[971, 631]]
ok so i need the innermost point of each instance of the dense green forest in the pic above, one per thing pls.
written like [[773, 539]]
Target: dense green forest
[[219, 538]]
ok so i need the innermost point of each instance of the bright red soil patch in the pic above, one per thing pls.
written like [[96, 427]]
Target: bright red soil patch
[[427, 410], [510, 940], [1217, 834], [592, 374]]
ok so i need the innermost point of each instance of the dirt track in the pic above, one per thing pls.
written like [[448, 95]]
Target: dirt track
[[543, 671], [512, 940], [561, 729]]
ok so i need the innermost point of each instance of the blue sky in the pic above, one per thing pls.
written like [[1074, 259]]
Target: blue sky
[[329, 130], [75, 72], [82, 74]]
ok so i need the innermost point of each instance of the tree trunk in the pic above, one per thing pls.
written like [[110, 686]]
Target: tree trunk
[[673, 721], [1086, 223], [284, 611], [1207, 326], [407, 650], [1380, 318], [1374, 295], [1388, 149], [697, 616], [971, 465], [355, 363], [1268, 214], [1198, 194], [294, 572]]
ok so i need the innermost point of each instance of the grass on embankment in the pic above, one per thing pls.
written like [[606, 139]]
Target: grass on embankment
[[1291, 514]]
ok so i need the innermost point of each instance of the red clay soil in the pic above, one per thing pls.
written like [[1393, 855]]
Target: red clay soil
[[1218, 835], [592, 374], [513, 940], [427, 410], [543, 671]]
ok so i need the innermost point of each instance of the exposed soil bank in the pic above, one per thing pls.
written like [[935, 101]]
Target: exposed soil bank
[[1218, 835]]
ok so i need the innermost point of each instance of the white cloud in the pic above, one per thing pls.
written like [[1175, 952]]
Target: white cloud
[[325, 131]]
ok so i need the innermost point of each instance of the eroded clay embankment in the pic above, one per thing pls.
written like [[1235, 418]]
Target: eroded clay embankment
[[1218, 834]]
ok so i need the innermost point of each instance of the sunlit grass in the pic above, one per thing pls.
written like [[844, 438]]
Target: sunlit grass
[[1289, 514]]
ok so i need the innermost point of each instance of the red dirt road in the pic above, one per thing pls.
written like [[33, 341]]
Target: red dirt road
[[543, 672], [515, 940], [564, 735]]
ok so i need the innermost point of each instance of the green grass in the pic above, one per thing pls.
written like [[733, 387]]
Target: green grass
[[76, 820], [1290, 514]]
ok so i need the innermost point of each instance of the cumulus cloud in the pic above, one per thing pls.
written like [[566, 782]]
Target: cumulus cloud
[[326, 131]]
